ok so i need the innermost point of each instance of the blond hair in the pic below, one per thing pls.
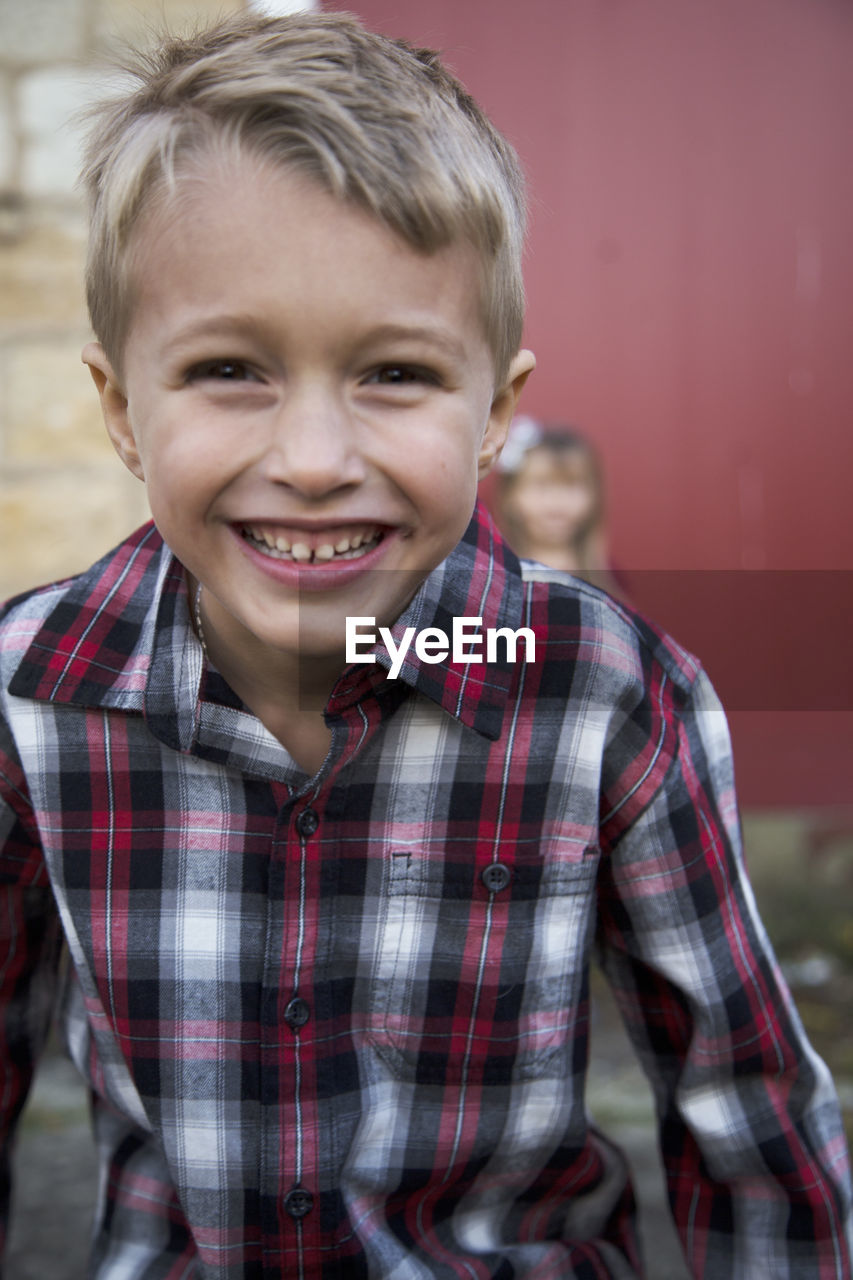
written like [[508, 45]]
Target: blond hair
[[374, 120]]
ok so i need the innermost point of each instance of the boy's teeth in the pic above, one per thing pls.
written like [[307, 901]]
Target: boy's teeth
[[349, 546]]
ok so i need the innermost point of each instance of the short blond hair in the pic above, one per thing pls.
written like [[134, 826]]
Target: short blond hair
[[374, 120]]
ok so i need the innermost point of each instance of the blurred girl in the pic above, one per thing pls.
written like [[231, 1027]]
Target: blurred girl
[[550, 500]]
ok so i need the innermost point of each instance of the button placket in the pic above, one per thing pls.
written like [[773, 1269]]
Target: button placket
[[293, 1015]]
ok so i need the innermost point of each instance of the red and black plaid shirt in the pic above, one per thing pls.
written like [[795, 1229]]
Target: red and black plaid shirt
[[338, 1026]]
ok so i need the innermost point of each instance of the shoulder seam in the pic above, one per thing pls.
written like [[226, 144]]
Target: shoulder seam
[[682, 666]]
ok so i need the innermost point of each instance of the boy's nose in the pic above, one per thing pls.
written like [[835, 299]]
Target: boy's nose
[[313, 446]]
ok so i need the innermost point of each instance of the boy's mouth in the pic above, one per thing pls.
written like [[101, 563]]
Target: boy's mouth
[[324, 547]]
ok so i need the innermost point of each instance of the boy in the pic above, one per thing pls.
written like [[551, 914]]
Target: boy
[[330, 927]]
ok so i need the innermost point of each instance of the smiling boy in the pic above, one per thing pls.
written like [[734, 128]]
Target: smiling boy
[[320, 383], [331, 931]]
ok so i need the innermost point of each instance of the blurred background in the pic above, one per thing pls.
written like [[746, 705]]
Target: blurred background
[[690, 302]]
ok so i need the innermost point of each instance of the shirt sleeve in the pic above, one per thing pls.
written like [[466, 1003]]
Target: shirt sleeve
[[29, 951], [750, 1128]]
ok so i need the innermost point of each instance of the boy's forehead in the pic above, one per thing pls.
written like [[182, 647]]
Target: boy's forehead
[[236, 239], [231, 233], [196, 186]]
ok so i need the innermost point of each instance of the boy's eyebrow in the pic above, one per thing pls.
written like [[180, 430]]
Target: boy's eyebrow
[[216, 326], [434, 335], [226, 325]]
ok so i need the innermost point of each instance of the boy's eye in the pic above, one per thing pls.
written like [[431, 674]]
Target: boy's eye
[[395, 375], [222, 371]]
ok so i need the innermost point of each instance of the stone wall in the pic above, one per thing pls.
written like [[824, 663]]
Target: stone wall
[[64, 496]]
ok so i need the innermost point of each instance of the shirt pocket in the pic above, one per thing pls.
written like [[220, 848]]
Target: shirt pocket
[[480, 971]]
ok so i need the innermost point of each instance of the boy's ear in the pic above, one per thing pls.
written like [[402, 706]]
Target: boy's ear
[[114, 407], [503, 409]]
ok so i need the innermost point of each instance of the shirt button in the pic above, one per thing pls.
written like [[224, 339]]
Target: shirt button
[[496, 876], [307, 822], [298, 1202], [297, 1013]]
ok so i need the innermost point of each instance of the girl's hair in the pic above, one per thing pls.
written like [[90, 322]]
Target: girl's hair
[[374, 120]]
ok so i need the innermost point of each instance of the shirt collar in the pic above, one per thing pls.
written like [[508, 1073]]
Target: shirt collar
[[119, 635], [481, 578]]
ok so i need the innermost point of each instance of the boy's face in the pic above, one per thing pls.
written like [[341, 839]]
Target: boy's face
[[310, 403]]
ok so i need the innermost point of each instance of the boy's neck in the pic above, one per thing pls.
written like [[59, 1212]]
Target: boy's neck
[[287, 692]]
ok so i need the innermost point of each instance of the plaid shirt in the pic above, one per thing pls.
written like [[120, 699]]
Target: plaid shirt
[[338, 1026]]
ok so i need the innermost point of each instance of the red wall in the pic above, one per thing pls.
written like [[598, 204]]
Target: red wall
[[690, 290]]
